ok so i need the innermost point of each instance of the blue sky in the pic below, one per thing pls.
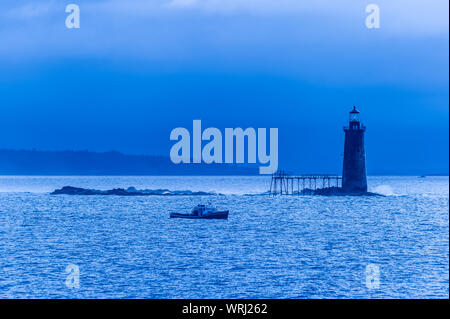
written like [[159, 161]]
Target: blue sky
[[137, 69]]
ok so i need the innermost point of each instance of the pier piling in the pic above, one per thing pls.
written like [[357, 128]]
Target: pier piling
[[283, 183]]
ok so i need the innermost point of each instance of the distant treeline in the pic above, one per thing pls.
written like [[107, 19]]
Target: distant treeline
[[32, 162]]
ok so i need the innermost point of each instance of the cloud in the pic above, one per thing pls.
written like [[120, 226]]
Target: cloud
[[236, 30], [407, 16], [255, 6], [29, 10], [182, 3]]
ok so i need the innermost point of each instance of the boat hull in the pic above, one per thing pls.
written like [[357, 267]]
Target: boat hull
[[215, 215]]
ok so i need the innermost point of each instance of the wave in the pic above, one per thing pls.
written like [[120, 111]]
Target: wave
[[130, 191], [385, 190]]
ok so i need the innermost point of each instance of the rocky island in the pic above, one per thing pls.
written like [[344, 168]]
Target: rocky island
[[130, 191]]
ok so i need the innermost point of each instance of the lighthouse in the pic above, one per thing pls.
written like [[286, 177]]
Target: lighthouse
[[354, 178]]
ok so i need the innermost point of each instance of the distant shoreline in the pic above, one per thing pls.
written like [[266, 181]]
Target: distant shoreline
[[113, 163]]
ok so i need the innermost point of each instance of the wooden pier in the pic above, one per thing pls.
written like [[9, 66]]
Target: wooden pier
[[285, 184]]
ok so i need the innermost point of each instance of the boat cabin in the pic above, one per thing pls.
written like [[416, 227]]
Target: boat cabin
[[200, 210]]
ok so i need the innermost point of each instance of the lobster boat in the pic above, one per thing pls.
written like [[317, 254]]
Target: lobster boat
[[202, 212]]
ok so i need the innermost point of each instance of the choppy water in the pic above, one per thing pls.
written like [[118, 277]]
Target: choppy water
[[271, 247]]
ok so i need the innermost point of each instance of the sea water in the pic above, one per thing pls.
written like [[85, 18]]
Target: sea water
[[270, 247]]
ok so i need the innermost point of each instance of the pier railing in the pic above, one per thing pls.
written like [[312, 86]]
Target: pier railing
[[286, 184]]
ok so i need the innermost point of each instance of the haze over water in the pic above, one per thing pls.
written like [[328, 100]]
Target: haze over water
[[270, 247]]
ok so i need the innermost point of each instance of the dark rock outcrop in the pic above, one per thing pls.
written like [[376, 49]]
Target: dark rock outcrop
[[335, 191], [130, 191]]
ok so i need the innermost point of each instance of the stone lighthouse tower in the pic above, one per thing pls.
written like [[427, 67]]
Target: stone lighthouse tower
[[354, 178]]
